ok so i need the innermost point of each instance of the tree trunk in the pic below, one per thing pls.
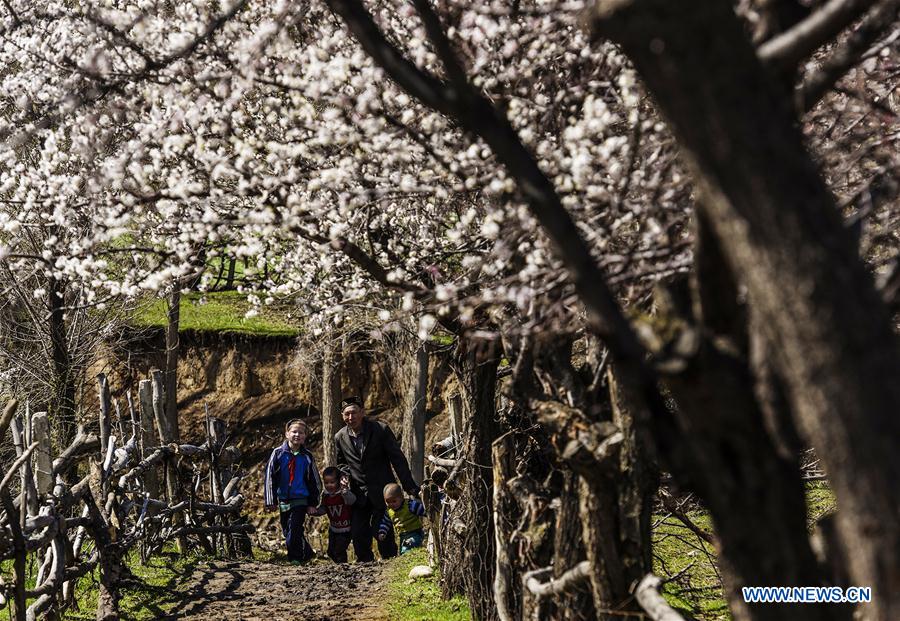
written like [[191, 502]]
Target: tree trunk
[[740, 466], [568, 551], [43, 463], [167, 435], [615, 500], [20, 559], [414, 419], [110, 556], [229, 279], [62, 373], [476, 364], [171, 372], [784, 238], [331, 398]]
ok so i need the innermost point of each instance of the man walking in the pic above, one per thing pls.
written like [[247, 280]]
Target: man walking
[[366, 451]]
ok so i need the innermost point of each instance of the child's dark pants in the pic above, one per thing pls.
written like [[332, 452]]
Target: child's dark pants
[[337, 546], [364, 525], [292, 525]]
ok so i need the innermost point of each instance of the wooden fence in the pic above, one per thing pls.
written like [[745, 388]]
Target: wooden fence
[[123, 494]]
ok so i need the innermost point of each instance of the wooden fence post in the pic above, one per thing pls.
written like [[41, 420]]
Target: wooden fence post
[[456, 425], [43, 464], [148, 438], [166, 435], [163, 425], [114, 509], [504, 459], [29, 504], [105, 419], [414, 420]]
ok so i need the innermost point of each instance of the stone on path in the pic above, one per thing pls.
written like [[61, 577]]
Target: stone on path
[[420, 571]]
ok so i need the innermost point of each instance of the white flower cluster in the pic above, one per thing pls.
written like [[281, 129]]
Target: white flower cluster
[[148, 141]]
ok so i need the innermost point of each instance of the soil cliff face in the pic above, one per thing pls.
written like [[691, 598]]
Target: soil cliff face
[[255, 384]]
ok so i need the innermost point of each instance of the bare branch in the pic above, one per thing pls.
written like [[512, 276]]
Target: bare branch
[[8, 412], [17, 464], [480, 117], [435, 31], [647, 595], [444, 463], [675, 509], [846, 55], [555, 586], [785, 51], [12, 12]]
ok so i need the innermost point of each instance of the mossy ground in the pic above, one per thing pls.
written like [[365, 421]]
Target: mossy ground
[[420, 600], [222, 311]]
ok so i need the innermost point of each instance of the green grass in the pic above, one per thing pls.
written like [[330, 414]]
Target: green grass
[[697, 591], [218, 312], [420, 600], [163, 578], [820, 501], [442, 338]]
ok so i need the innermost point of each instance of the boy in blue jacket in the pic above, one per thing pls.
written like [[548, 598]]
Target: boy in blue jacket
[[292, 482]]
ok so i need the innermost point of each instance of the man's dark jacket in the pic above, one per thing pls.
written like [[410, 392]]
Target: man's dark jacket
[[371, 471]]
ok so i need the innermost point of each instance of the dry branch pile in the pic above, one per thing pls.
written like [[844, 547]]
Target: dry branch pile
[[87, 507]]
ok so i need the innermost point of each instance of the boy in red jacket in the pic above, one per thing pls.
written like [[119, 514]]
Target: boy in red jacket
[[337, 504]]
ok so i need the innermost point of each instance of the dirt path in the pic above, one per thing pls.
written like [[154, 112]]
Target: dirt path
[[256, 591]]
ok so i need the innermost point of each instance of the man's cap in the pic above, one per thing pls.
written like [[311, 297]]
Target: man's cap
[[348, 401]]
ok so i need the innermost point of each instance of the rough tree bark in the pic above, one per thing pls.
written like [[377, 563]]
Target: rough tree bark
[[331, 397], [784, 238], [506, 588], [171, 371], [615, 500], [737, 463], [43, 463], [476, 366], [62, 374], [414, 418], [167, 435], [148, 434], [568, 551]]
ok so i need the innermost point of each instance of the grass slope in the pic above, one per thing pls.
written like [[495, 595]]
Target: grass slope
[[420, 600], [222, 311]]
